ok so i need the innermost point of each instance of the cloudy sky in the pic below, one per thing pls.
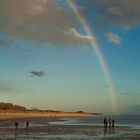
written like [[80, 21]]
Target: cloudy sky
[[47, 60]]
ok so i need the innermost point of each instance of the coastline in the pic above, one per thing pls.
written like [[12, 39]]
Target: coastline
[[40, 128], [39, 115]]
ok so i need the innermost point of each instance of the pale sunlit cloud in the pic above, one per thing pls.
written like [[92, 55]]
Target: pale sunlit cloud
[[113, 38]]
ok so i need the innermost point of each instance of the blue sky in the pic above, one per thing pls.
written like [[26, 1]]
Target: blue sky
[[46, 59]]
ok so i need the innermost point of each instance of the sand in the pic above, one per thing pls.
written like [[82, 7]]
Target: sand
[[41, 129], [49, 114]]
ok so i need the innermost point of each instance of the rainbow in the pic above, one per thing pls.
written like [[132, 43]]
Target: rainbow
[[98, 52]]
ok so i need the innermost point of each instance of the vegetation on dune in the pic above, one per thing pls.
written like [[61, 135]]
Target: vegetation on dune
[[12, 108]]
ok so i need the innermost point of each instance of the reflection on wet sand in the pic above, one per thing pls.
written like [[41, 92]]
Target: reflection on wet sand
[[109, 131], [39, 129], [16, 133]]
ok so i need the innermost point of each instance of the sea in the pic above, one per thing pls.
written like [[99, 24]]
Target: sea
[[120, 120], [40, 130]]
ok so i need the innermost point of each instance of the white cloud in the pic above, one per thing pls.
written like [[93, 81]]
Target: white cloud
[[71, 36], [113, 38], [40, 21]]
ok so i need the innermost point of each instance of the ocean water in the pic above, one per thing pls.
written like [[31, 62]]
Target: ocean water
[[120, 120], [40, 130]]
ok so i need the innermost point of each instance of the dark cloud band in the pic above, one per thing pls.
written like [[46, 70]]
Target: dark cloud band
[[38, 73]]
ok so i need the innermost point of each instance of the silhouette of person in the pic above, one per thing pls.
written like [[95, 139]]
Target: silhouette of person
[[105, 122], [16, 125], [113, 123], [110, 122], [27, 124]]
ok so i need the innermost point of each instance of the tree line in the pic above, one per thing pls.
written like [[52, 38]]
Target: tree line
[[10, 106]]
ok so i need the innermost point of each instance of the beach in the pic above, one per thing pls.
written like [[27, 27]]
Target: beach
[[69, 69], [42, 128]]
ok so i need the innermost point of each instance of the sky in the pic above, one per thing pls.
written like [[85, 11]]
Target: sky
[[49, 60]]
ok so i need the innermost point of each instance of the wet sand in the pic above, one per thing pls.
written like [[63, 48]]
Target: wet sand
[[40, 129]]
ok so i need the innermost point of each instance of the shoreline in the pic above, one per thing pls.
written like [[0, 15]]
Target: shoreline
[[4, 116], [40, 128]]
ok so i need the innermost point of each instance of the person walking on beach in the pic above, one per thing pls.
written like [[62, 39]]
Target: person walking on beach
[[16, 125], [113, 123], [110, 122], [27, 124], [105, 122]]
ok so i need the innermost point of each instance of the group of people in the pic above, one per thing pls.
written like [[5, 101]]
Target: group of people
[[27, 124], [109, 122]]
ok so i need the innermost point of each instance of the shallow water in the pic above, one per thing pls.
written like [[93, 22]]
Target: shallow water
[[39, 129], [120, 120]]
